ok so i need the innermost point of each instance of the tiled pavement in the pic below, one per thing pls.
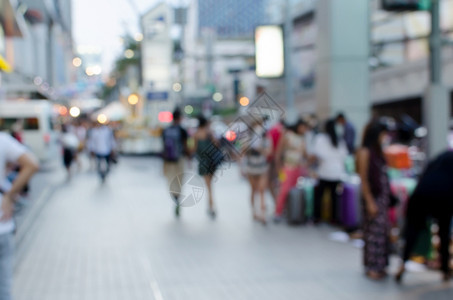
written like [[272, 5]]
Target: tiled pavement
[[121, 241]]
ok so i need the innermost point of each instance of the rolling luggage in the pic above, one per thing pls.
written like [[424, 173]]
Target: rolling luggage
[[308, 185], [350, 203], [296, 206]]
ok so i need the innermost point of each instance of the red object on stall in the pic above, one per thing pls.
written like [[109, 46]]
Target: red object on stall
[[397, 157]]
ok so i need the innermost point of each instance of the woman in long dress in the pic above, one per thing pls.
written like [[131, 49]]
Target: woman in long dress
[[376, 199]]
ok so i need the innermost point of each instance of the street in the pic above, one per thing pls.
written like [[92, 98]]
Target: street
[[121, 240]]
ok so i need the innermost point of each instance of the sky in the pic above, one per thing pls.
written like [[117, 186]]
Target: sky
[[101, 23]]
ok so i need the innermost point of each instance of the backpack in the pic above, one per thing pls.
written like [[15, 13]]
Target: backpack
[[172, 143]]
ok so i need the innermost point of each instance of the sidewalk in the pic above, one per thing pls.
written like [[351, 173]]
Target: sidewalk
[[121, 241], [42, 186]]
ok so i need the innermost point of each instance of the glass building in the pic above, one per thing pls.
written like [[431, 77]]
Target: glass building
[[232, 18]]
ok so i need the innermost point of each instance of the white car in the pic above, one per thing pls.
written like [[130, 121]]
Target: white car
[[36, 119]]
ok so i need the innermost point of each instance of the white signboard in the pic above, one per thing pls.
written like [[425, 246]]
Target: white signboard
[[269, 51]]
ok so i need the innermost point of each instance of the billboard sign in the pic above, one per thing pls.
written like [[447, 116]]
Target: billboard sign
[[269, 51]]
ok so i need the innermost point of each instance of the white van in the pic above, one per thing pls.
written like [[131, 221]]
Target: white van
[[36, 118]]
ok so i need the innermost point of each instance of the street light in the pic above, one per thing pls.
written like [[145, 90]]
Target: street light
[[188, 109], [74, 112], [217, 97], [77, 62], [244, 101], [102, 119], [177, 87], [138, 37], [133, 99], [129, 53]]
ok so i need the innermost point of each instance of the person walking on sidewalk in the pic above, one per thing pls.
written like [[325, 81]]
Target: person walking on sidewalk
[[175, 147], [70, 143], [257, 167], [103, 144], [11, 152], [293, 151], [372, 169], [432, 198], [209, 157]]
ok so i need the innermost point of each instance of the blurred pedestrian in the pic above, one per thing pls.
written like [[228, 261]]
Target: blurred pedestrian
[[310, 135], [70, 144], [292, 151], [431, 198], [257, 168], [375, 186], [11, 151], [103, 145], [331, 152], [89, 146], [347, 130], [209, 157], [17, 131], [175, 147], [275, 133], [81, 132]]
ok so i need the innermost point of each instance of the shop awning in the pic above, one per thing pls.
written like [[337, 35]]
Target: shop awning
[[9, 19], [4, 65]]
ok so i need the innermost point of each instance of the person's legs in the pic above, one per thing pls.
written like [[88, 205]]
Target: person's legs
[[291, 176], [273, 181], [333, 186], [262, 187], [67, 160], [108, 163], [444, 234], [170, 170], [99, 165], [208, 181], [6, 266], [253, 190], [411, 234], [319, 192]]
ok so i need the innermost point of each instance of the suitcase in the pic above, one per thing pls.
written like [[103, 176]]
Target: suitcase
[[351, 212], [308, 185], [296, 206]]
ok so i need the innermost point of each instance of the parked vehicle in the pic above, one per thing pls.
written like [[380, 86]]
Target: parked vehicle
[[35, 118]]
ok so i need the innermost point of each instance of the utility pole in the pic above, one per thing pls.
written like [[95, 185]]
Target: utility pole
[[288, 29], [436, 105]]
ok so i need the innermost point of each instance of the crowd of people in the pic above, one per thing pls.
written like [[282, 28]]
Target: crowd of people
[[273, 158]]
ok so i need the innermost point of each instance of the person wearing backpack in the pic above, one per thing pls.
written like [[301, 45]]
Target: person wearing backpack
[[175, 147]]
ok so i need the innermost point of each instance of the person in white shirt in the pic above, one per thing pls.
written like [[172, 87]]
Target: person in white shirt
[[331, 153], [102, 143], [11, 152], [70, 143]]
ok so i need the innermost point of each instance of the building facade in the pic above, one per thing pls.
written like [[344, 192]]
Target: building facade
[[398, 58], [219, 51], [42, 57]]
